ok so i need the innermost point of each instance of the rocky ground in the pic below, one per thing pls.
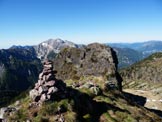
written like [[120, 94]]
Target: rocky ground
[[152, 101]]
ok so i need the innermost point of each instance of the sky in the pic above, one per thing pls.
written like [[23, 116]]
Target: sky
[[29, 22]]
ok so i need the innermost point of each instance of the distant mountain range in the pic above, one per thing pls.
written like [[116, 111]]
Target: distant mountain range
[[127, 56], [140, 46], [129, 53]]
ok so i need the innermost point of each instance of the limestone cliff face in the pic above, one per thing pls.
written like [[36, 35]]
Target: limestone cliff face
[[92, 60]]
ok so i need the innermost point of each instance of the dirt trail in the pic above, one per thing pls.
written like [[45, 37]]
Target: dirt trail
[[152, 101]]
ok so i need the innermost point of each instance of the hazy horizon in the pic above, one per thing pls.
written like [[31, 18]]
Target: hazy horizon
[[77, 43], [29, 22]]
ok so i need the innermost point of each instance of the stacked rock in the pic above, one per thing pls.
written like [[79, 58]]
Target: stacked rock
[[46, 85]]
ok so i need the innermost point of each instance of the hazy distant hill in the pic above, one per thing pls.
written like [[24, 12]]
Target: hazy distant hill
[[130, 53], [146, 48], [127, 56]]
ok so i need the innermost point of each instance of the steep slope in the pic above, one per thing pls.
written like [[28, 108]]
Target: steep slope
[[127, 56], [147, 72], [90, 95], [19, 69], [48, 49], [145, 79]]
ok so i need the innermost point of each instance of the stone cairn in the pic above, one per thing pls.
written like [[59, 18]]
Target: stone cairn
[[47, 85]]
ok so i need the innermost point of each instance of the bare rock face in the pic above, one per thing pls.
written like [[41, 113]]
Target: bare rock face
[[92, 60], [51, 47], [47, 85]]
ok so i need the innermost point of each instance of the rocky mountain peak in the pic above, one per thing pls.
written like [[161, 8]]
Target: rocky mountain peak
[[51, 47]]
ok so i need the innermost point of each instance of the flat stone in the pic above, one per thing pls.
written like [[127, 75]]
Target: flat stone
[[43, 98], [49, 77], [48, 66], [48, 97], [34, 94], [36, 86], [44, 78], [41, 75], [41, 82], [42, 89], [52, 90], [47, 62], [46, 72], [50, 83]]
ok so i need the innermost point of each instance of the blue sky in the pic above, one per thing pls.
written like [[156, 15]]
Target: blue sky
[[29, 22]]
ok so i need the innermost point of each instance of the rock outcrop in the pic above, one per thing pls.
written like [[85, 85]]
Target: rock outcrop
[[47, 85], [92, 60]]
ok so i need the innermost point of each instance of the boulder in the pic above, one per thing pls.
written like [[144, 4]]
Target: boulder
[[37, 86], [41, 75], [43, 98], [34, 94], [47, 71], [47, 62], [48, 97], [49, 77], [6, 111], [52, 90], [50, 83], [44, 78], [96, 90], [41, 82], [49, 66], [17, 103], [42, 89]]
